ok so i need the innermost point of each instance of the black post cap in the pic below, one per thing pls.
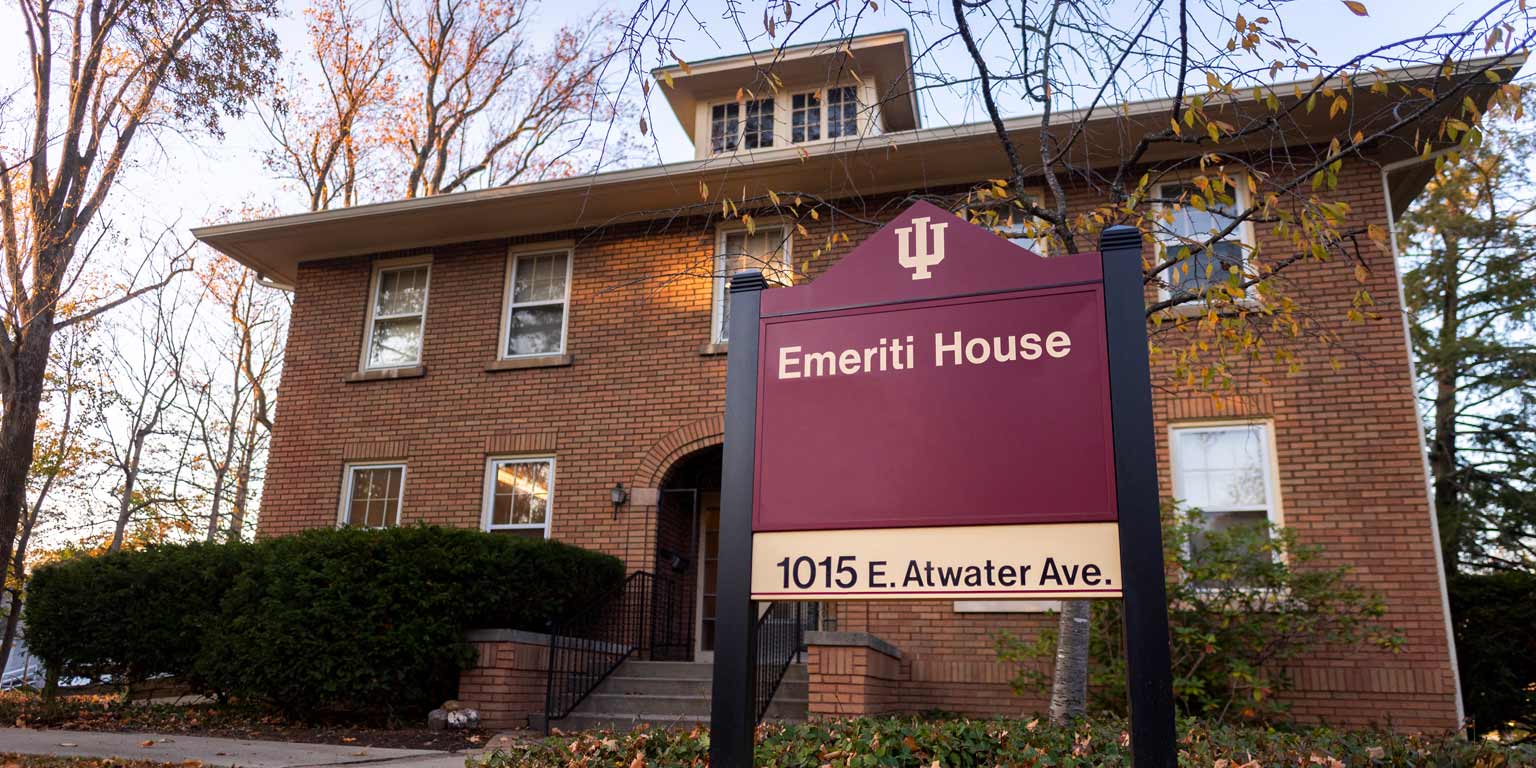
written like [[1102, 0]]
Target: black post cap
[[748, 280], [1120, 237]]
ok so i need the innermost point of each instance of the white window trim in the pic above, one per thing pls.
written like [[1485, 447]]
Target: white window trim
[[348, 470], [718, 279], [869, 120], [1246, 235], [1275, 510], [488, 494], [513, 254], [379, 268]]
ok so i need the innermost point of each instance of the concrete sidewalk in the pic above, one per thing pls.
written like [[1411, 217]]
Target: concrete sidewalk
[[246, 753]]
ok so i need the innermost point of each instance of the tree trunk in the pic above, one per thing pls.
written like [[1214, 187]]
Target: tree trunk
[[1069, 686], [18, 425], [1442, 449]]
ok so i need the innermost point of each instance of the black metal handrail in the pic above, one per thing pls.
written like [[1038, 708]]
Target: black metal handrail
[[589, 644], [780, 638]]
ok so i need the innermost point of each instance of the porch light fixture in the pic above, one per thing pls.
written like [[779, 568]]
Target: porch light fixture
[[618, 495]]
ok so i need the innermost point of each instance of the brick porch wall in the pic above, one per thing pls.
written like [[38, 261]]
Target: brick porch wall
[[509, 679]]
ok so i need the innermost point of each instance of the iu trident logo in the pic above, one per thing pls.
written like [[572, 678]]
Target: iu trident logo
[[925, 256]]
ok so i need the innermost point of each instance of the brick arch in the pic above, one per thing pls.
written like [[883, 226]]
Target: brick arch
[[678, 443]]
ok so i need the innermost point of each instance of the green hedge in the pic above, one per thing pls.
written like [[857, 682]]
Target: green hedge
[[346, 619], [1495, 620]]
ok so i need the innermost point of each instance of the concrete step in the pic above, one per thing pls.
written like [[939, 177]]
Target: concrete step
[[613, 722], [687, 686], [675, 706], [671, 669]]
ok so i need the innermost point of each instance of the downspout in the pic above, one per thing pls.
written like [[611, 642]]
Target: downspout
[[1413, 378]]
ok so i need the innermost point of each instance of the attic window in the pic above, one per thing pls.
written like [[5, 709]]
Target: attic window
[[805, 117], [724, 126], [842, 111], [758, 131]]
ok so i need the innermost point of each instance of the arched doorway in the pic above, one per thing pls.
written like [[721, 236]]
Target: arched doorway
[[687, 542]]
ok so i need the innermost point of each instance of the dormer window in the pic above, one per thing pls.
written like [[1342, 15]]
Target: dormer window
[[758, 131], [805, 117], [842, 112], [724, 123]]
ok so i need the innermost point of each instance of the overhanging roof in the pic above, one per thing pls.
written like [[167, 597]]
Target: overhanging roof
[[917, 159]]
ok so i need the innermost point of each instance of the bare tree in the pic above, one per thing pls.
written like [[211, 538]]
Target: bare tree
[[329, 138], [102, 72], [482, 106]]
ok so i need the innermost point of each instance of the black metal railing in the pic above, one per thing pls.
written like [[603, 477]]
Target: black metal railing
[[589, 644], [780, 638], [671, 636]]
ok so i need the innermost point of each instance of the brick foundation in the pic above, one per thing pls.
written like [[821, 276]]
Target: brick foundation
[[509, 679], [852, 674]]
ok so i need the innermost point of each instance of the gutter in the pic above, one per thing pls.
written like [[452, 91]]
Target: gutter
[[1413, 378]]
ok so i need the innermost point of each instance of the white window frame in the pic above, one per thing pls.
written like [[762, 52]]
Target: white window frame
[[510, 280], [348, 471], [1246, 236], [1274, 510], [379, 268], [488, 494], [720, 279], [867, 122]]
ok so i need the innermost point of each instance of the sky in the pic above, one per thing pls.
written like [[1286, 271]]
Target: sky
[[190, 181]]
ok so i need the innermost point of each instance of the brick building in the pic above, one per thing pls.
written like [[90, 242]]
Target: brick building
[[504, 358]]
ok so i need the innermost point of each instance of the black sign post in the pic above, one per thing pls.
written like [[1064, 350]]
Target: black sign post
[[733, 710], [733, 702], [1149, 679]]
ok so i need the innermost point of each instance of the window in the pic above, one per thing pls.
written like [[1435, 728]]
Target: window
[[758, 129], [538, 289], [396, 316], [1197, 217], [1013, 223], [371, 496], [724, 125], [842, 111], [766, 249], [805, 117], [1225, 471], [518, 494]]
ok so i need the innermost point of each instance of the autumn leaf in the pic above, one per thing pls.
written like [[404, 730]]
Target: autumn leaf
[[1356, 7]]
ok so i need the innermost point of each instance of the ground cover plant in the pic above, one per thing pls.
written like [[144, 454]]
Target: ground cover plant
[[894, 742], [13, 760]]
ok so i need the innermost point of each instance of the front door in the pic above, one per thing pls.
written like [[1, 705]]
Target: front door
[[709, 572]]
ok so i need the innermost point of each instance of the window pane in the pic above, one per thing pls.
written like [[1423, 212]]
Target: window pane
[[1211, 266], [1226, 521], [395, 342], [401, 292], [375, 501], [535, 330], [805, 117], [842, 112], [501, 509], [1222, 467], [762, 250], [539, 278], [724, 124], [758, 128]]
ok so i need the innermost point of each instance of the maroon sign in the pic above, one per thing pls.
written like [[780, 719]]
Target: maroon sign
[[937, 376]]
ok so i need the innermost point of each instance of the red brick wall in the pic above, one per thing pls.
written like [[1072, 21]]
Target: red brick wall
[[849, 681], [507, 684], [640, 395]]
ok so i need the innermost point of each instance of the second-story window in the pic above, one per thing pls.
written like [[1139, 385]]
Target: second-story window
[[757, 131], [724, 126], [765, 249], [397, 316], [842, 111], [538, 288], [805, 117], [1193, 217]]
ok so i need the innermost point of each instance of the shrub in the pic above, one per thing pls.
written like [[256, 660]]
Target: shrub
[[129, 615], [1495, 621], [892, 742], [365, 621], [1243, 604]]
